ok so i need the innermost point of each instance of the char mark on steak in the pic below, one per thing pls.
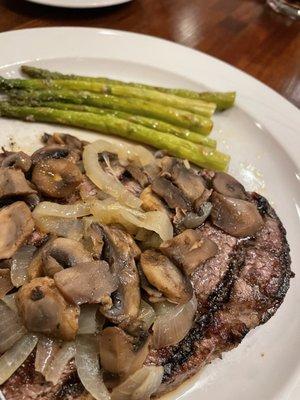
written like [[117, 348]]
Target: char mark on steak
[[247, 294]]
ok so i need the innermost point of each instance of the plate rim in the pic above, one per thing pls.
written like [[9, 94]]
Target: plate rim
[[245, 102], [76, 5]]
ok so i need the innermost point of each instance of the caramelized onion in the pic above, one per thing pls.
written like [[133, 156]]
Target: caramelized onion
[[14, 357], [45, 351], [62, 227], [109, 211], [10, 301], [172, 323], [11, 328], [20, 262], [108, 182], [59, 362], [89, 321], [139, 386], [88, 366], [49, 209]]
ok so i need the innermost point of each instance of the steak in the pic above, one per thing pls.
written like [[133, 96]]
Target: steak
[[237, 290]]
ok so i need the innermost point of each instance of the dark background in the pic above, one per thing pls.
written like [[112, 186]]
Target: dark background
[[244, 33]]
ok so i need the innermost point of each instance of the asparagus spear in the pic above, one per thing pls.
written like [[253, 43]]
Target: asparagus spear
[[223, 100], [148, 122], [109, 124], [195, 106], [171, 115]]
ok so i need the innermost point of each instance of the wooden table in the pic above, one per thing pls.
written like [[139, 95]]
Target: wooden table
[[244, 33]]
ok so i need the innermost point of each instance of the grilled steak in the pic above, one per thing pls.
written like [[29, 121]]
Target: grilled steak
[[237, 290]]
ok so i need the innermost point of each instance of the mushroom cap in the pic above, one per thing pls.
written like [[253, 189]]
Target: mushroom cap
[[120, 250], [18, 160], [173, 196], [16, 226], [166, 277], [90, 282], [44, 310], [228, 186], [13, 183], [57, 178], [185, 179], [189, 249], [63, 253], [119, 352], [54, 151], [237, 217]]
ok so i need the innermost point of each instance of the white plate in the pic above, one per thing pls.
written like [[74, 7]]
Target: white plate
[[79, 3], [262, 135]]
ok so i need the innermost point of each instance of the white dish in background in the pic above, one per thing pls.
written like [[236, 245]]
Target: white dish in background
[[79, 3], [261, 135]]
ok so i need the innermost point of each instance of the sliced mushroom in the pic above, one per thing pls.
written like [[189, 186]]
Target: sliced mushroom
[[35, 268], [93, 239], [132, 186], [191, 220], [120, 251], [185, 179], [121, 354], [204, 198], [152, 294], [151, 202], [13, 183], [63, 253], [90, 282], [64, 139], [173, 196], [56, 178], [237, 217], [152, 171], [166, 277], [44, 310], [16, 226], [189, 250], [17, 160], [138, 174], [228, 186], [55, 152]]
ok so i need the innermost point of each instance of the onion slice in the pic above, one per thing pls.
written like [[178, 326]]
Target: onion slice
[[11, 328], [139, 386], [59, 362], [109, 211], [88, 366], [107, 182], [62, 227], [20, 262], [5, 282], [89, 322], [45, 351], [10, 301], [173, 323], [49, 209], [14, 357]]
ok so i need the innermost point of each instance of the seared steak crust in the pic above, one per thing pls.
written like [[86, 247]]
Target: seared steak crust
[[251, 291], [237, 290]]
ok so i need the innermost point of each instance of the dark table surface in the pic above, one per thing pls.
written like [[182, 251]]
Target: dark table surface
[[244, 33]]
